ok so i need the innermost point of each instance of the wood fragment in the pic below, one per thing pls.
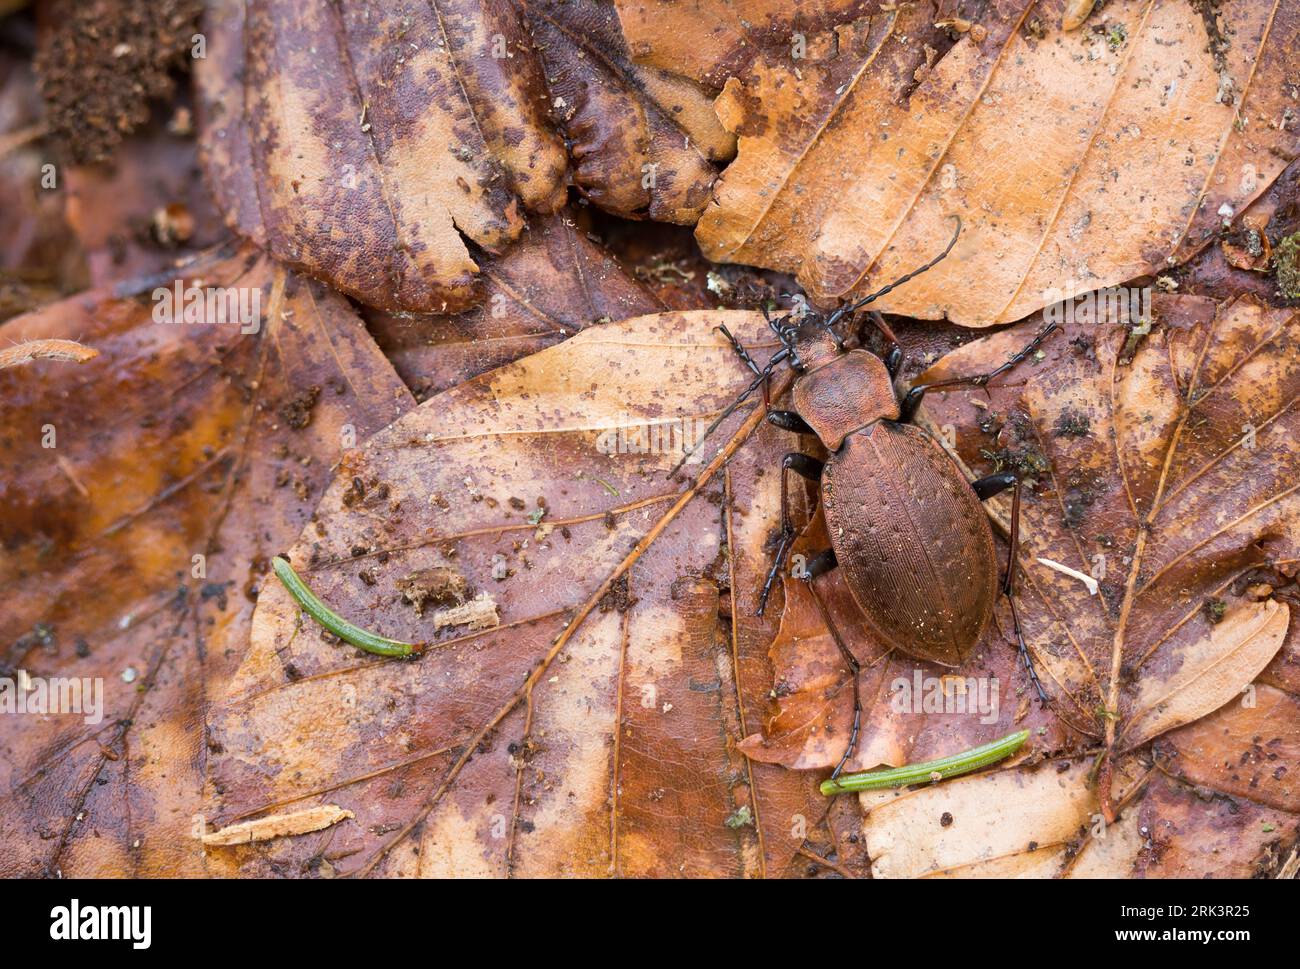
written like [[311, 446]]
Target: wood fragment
[[1087, 580], [45, 350], [277, 826], [479, 613], [1291, 868]]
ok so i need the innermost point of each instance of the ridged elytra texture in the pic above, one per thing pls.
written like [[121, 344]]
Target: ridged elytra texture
[[912, 540]]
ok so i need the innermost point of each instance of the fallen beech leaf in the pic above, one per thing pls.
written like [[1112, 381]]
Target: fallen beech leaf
[[1230, 797], [592, 731], [358, 144], [183, 457], [1018, 822], [1203, 416], [711, 40], [1166, 470], [1209, 671], [1248, 750], [552, 283], [1194, 832], [277, 826], [1076, 161], [644, 141]]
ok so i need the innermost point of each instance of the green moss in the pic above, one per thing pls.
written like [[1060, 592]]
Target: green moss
[[741, 817], [1215, 609], [1286, 264]]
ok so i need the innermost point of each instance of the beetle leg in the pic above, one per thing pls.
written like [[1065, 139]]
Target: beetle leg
[[820, 564], [806, 467], [893, 349], [749, 362], [993, 484], [907, 410], [740, 350], [855, 670], [788, 420], [1009, 590]]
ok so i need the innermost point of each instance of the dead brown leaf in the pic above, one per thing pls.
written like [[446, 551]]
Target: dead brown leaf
[[1164, 467], [1075, 160], [554, 282], [359, 144], [142, 494], [645, 141], [1166, 470], [592, 731], [711, 40]]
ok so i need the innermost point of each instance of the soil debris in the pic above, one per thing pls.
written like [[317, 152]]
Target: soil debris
[[437, 586], [101, 62]]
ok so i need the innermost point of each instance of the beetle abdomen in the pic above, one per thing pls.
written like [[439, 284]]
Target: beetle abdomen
[[912, 540]]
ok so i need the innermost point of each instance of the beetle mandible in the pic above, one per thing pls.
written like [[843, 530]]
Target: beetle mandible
[[907, 530]]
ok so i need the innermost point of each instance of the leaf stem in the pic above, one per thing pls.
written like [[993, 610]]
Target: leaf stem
[[944, 767], [340, 627]]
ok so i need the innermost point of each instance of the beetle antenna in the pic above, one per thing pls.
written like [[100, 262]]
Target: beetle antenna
[[854, 307], [731, 408]]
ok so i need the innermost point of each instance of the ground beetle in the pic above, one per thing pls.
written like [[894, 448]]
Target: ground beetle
[[907, 530]]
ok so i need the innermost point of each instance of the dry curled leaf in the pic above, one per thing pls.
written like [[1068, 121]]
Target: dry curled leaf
[[645, 142], [277, 826], [711, 40], [554, 282], [359, 144], [29, 350], [1075, 160], [592, 731], [142, 494]]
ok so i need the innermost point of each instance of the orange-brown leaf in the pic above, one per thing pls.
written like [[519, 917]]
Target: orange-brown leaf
[[183, 456], [360, 144], [1075, 160]]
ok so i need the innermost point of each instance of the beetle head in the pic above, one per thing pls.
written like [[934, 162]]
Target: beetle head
[[810, 342]]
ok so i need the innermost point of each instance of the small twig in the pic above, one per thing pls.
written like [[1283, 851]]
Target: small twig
[[305, 821], [340, 627], [13, 140], [1291, 868], [1087, 580], [21, 353], [826, 863], [931, 770]]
